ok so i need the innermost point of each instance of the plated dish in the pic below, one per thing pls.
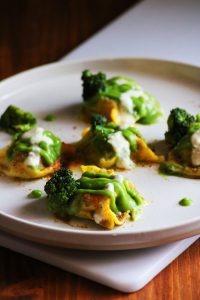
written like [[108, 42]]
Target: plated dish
[[130, 148]]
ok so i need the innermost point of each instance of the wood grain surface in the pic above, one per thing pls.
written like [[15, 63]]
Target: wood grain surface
[[34, 32]]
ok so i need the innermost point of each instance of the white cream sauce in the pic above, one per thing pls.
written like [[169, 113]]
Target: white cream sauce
[[122, 148], [110, 187], [126, 98], [36, 135], [119, 178]]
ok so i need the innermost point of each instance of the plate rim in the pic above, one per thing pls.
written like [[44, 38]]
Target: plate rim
[[44, 67], [104, 232], [194, 222]]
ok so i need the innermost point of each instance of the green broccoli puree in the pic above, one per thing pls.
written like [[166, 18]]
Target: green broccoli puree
[[142, 105], [122, 197], [185, 202], [35, 194], [129, 94], [36, 142], [50, 118]]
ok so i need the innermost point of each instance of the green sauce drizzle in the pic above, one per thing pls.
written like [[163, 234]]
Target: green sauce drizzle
[[35, 194], [131, 138], [50, 153], [171, 169], [146, 109], [123, 198], [185, 202]]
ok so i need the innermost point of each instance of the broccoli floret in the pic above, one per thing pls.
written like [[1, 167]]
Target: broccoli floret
[[97, 119], [92, 84], [60, 189], [15, 121], [178, 122]]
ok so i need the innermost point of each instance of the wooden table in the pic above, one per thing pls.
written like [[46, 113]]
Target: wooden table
[[35, 32]]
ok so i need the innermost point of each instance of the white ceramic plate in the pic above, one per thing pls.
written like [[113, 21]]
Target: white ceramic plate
[[56, 88]]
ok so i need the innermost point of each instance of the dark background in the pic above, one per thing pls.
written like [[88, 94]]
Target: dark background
[[35, 32]]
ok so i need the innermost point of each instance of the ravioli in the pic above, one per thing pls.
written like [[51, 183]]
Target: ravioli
[[111, 146], [100, 195], [121, 100], [183, 137], [34, 154]]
